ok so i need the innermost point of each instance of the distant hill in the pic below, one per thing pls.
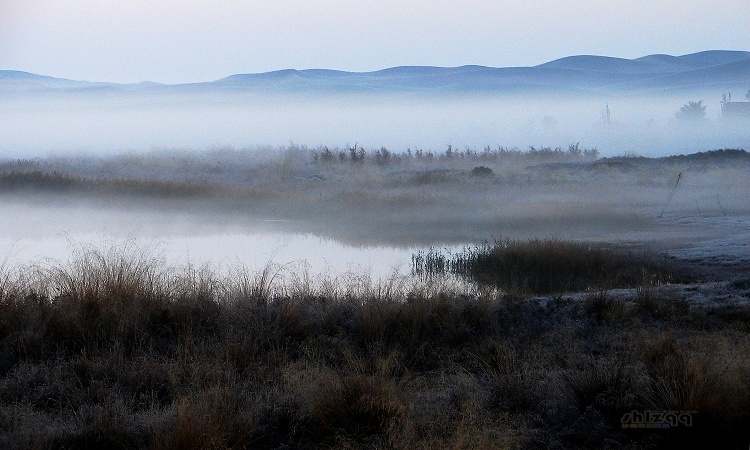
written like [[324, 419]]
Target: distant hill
[[23, 82], [714, 69]]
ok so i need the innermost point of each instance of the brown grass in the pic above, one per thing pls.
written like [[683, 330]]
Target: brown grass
[[114, 350], [431, 197], [544, 266]]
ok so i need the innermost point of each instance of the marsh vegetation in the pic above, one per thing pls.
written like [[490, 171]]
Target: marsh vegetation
[[546, 266], [589, 304], [115, 350], [377, 197]]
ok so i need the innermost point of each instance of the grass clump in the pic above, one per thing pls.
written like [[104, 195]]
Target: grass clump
[[544, 266]]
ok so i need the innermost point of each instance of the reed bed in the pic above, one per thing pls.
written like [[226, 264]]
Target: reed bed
[[545, 266]]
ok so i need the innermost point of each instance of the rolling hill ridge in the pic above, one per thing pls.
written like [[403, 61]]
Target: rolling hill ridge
[[574, 74]]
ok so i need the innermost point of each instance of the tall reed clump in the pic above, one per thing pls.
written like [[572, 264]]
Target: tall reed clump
[[103, 297], [543, 266]]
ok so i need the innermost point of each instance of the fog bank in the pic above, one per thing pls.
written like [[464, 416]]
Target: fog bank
[[99, 123]]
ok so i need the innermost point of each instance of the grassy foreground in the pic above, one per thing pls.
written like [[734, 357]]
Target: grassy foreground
[[114, 350]]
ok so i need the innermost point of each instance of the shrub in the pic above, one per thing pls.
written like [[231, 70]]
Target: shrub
[[481, 172], [692, 111]]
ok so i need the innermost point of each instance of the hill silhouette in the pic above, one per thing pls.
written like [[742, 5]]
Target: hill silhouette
[[574, 74]]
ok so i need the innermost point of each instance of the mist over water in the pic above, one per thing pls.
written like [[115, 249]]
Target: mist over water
[[35, 232], [338, 218], [106, 124]]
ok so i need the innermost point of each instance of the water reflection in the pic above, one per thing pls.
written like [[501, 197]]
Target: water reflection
[[220, 251]]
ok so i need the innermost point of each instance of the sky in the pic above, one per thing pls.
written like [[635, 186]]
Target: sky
[[173, 41]]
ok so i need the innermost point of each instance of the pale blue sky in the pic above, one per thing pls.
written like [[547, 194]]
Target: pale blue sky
[[180, 41]]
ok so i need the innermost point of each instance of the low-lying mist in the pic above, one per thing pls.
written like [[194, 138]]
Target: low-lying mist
[[102, 123], [365, 198], [266, 262]]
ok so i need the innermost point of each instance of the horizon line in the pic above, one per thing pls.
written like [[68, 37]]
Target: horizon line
[[311, 69]]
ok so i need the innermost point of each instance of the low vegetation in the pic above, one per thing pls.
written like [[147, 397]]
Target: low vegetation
[[520, 344], [116, 350], [455, 196], [545, 266]]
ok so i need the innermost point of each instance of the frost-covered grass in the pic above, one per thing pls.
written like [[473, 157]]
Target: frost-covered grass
[[115, 350], [405, 198]]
